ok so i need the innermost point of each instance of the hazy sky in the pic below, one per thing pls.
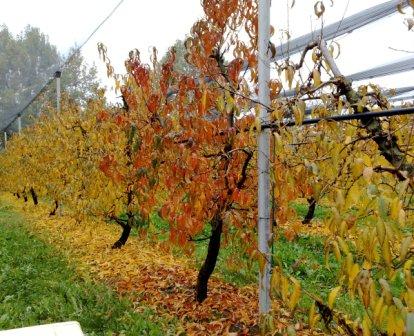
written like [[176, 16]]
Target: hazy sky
[[145, 23]]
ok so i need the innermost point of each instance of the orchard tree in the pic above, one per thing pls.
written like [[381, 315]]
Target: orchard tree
[[203, 163], [184, 146]]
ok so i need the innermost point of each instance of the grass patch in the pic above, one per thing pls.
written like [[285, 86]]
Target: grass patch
[[304, 258], [37, 286]]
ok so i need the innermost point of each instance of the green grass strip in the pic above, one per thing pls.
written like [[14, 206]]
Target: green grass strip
[[37, 286]]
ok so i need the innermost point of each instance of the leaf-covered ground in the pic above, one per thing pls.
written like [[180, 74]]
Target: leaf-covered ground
[[150, 276]]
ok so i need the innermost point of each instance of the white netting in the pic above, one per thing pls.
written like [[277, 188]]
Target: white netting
[[339, 28], [403, 65]]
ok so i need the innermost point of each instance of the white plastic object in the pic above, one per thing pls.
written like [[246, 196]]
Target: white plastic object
[[71, 328]]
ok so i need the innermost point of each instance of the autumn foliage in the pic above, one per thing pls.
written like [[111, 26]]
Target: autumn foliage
[[185, 148]]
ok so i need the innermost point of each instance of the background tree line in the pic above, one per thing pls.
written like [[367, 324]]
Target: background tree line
[[27, 61]]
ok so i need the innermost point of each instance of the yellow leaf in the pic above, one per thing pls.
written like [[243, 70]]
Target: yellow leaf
[[408, 265], [220, 103], [313, 316], [343, 245], [391, 326], [383, 313], [399, 326], [353, 273], [366, 159], [298, 114], [357, 168], [230, 103], [289, 73], [386, 252], [316, 78], [278, 141], [366, 326], [377, 310], [405, 246], [284, 288], [332, 296], [336, 250], [339, 201], [395, 207], [401, 217], [295, 296], [353, 196], [198, 206], [275, 280]]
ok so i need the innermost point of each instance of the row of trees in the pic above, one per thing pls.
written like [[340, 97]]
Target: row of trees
[[186, 148]]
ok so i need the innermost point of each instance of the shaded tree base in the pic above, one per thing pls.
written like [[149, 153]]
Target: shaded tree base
[[34, 196], [311, 211], [211, 259], [53, 212], [126, 230]]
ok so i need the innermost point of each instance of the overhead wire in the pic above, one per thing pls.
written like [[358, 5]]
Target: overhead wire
[[61, 67], [341, 117], [342, 27]]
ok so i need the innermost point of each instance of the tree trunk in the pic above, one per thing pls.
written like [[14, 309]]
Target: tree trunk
[[311, 210], [126, 230], [25, 196], [53, 212], [211, 259], [217, 221], [34, 196]]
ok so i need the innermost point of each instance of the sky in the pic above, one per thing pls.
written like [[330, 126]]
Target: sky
[[143, 24]]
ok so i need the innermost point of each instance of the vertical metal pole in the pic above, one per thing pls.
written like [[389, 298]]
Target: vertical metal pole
[[19, 124], [329, 59], [57, 76], [5, 140], [264, 226]]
